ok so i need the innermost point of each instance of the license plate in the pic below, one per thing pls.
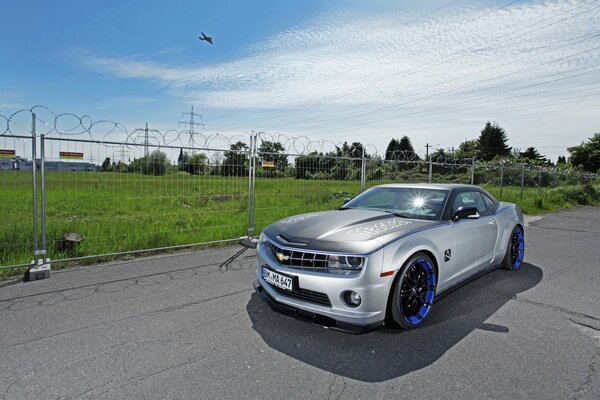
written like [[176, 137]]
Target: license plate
[[281, 281]]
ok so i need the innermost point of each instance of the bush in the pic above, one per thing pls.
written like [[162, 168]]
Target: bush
[[583, 194]]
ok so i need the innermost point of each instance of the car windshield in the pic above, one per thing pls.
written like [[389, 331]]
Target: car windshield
[[404, 202]]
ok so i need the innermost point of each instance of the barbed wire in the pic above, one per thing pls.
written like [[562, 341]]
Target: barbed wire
[[110, 133]]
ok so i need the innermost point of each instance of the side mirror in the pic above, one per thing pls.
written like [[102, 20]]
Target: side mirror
[[465, 213], [346, 200]]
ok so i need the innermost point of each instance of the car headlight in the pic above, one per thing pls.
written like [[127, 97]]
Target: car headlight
[[345, 262]]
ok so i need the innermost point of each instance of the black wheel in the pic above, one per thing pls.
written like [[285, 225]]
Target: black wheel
[[414, 292], [515, 250]]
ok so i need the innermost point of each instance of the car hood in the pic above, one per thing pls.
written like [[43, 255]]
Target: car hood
[[351, 230]]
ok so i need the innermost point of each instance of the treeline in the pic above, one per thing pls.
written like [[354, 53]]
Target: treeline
[[346, 161]]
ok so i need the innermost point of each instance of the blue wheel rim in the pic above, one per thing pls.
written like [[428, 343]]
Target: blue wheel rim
[[517, 247], [417, 291]]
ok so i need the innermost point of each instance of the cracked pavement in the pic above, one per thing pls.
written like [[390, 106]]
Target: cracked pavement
[[189, 326]]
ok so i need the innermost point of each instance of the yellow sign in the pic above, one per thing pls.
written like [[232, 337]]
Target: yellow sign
[[70, 155], [268, 164], [7, 153]]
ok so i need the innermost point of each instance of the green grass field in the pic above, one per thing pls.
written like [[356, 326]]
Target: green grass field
[[117, 212]]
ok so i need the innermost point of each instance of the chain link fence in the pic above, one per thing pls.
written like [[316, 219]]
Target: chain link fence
[[73, 189]]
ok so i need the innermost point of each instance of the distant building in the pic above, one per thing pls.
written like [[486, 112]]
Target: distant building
[[70, 166], [6, 164], [22, 164]]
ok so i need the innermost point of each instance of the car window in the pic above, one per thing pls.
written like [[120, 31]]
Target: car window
[[410, 202], [381, 198], [489, 203], [469, 199]]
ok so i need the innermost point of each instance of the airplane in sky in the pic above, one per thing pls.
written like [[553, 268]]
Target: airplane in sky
[[204, 37]]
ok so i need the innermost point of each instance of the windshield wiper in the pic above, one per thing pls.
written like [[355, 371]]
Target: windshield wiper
[[397, 214]]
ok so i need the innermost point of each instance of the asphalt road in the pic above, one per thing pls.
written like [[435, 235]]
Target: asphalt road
[[190, 326]]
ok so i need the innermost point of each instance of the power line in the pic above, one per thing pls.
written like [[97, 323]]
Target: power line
[[191, 124], [474, 49], [455, 92], [146, 136]]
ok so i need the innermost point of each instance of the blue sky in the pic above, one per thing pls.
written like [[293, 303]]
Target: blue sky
[[334, 70]]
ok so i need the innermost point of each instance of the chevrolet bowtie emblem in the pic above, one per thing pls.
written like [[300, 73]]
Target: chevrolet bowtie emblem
[[282, 257]]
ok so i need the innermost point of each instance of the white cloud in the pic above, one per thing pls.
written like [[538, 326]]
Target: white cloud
[[344, 70]]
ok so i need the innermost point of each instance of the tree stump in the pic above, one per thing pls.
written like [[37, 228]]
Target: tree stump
[[70, 241]]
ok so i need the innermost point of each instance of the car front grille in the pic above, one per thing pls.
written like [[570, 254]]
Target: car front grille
[[299, 259], [304, 294]]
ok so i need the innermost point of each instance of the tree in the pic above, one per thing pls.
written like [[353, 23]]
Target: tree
[[492, 142], [119, 167], [197, 164], [391, 149], [272, 151], [562, 160], [587, 155], [105, 164], [315, 164], [354, 150], [182, 160], [400, 149], [468, 149], [532, 154], [156, 163], [236, 160]]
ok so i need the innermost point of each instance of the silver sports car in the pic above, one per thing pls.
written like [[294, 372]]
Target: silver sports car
[[386, 255]]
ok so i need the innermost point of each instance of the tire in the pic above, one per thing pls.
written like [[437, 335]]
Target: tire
[[515, 250], [413, 292]]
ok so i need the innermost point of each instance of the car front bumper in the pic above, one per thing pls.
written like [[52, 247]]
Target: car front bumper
[[372, 288]]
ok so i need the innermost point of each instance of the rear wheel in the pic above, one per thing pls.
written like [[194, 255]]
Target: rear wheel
[[414, 292], [515, 250]]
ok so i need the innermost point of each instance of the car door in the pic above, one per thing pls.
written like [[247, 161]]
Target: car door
[[474, 238]]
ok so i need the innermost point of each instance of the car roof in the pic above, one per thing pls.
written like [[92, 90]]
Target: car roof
[[438, 186]]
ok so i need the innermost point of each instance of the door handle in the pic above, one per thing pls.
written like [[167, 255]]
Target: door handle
[[492, 222]]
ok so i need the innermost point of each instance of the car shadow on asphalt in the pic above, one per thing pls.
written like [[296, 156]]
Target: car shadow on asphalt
[[390, 353]]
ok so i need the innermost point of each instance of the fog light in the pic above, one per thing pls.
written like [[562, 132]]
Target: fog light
[[352, 298]]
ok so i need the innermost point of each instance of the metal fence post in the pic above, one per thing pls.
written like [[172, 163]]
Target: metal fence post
[[34, 187], [254, 156], [43, 188], [38, 270], [501, 178], [430, 169], [363, 171], [250, 227], [473, 171], [522, 178]]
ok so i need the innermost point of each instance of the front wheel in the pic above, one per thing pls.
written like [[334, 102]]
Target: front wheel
[[414, 292], [515, 250]]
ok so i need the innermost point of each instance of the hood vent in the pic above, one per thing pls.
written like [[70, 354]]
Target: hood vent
[[288, 241]]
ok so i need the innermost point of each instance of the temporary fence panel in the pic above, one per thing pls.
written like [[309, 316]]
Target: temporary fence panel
[[17, 207], [300, 177], [73, 189], [106, 198]]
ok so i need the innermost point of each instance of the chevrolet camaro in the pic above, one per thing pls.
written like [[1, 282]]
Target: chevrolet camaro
[[386, 255]]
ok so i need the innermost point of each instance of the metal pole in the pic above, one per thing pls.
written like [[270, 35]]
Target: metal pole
[[43, 205], [473, 171], [501, 179], [248, 230], [430, 169], [34, 177], [254, 155], [363, 170], [522, 178], [540, 178]]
